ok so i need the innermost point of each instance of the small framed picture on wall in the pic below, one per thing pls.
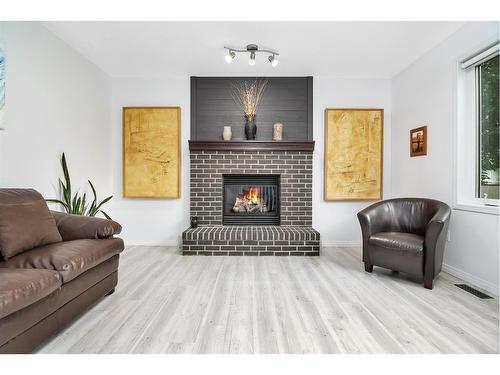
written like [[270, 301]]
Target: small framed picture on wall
[[418, 141]]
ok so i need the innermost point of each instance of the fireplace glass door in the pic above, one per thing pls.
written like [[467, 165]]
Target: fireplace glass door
[[251, 200]]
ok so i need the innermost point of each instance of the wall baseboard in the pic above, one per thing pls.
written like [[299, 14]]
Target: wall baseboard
[[151, 243], [474, 280], [340, 244]]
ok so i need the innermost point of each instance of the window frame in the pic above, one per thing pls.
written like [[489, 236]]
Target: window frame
[[479, 125], [467, 138]]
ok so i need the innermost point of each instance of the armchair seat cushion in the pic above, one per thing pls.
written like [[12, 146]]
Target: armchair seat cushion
[[20, 288], [398, 241], [69, 258]]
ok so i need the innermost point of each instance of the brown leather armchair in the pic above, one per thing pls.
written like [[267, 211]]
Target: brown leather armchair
[[407, 235]]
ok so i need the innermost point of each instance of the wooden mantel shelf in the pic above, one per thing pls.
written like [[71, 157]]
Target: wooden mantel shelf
[[251, 146]]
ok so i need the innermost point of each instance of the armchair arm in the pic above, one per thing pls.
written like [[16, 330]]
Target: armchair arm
[[434, 242], [74, 227], [373, 219]]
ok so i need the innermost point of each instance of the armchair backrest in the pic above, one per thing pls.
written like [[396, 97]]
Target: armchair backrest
[[410, 215]]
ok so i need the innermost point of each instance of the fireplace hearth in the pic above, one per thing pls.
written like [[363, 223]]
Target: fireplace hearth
[[251, 200]]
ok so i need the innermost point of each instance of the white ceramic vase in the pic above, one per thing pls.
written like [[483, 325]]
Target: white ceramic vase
[[278, 132], [227, 133]]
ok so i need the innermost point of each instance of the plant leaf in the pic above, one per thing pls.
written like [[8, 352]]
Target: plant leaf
[[67, 178], [93, 207], [93, 189], [57, 201], [105, 214], [76, 204], [103, 201], [83, 205]]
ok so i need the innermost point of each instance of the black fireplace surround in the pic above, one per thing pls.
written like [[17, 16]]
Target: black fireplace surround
[[251, 200]]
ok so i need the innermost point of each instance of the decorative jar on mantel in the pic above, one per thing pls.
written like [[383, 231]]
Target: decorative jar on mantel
[[250, 127], [278, 131], [227, 133]]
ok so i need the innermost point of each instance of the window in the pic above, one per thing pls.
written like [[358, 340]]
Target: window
[[477, 135], [488, 135]]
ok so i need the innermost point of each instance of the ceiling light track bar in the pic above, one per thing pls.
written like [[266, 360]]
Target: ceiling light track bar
[[252, 49], [239, 49]]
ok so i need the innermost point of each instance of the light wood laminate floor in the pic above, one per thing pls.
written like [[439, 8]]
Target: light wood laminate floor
[[167, 303]]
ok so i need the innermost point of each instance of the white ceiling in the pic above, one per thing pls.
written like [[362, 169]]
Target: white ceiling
[[341, 49]]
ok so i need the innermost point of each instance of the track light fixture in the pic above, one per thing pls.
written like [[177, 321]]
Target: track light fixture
[[273, 60], [252, 49], [252, 59], [230, 56]]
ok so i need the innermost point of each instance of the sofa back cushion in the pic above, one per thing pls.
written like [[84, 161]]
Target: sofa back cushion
[[25, 222]]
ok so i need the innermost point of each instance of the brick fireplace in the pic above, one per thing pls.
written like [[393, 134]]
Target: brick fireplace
[[289, 163]]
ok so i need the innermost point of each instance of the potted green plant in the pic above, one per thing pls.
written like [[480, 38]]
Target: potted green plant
[[75, 203]]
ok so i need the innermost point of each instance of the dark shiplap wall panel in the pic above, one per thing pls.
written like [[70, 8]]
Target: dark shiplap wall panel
[[287, 100]]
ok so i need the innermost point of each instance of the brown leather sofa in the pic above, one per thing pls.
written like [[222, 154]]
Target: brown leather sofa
[[54, 266], [407, 235]]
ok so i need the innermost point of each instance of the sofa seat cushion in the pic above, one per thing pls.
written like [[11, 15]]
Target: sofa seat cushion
[[398, 241], [20, 288], [69, 258], [25, 222]]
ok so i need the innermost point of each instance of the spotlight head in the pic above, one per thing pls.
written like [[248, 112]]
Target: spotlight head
[[230, 56], [252, 59], [273, 60]]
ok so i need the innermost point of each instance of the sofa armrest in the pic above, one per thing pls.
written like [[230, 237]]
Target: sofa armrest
[[75, 227]]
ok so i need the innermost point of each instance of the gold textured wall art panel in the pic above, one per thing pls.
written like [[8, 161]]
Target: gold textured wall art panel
[[151, 152], [353, 154]]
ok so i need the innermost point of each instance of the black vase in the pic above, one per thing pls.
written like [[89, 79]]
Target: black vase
[[250, 127]]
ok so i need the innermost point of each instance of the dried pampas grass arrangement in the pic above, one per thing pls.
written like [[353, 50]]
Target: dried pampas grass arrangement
[[248, 95]]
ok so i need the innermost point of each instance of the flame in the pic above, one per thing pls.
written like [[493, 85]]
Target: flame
[[251, 195]]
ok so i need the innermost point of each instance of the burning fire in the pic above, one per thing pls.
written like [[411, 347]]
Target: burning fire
[[250, 196], [250, 201]]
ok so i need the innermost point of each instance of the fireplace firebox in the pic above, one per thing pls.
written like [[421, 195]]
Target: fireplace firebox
[[251, 200]]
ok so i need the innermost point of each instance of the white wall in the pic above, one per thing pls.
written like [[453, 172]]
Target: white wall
[[424, 94], [56, 101], [337, 221], [153, 221], [150, 221]]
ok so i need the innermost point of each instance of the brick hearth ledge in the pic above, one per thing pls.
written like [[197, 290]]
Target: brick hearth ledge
[[250, 240]]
